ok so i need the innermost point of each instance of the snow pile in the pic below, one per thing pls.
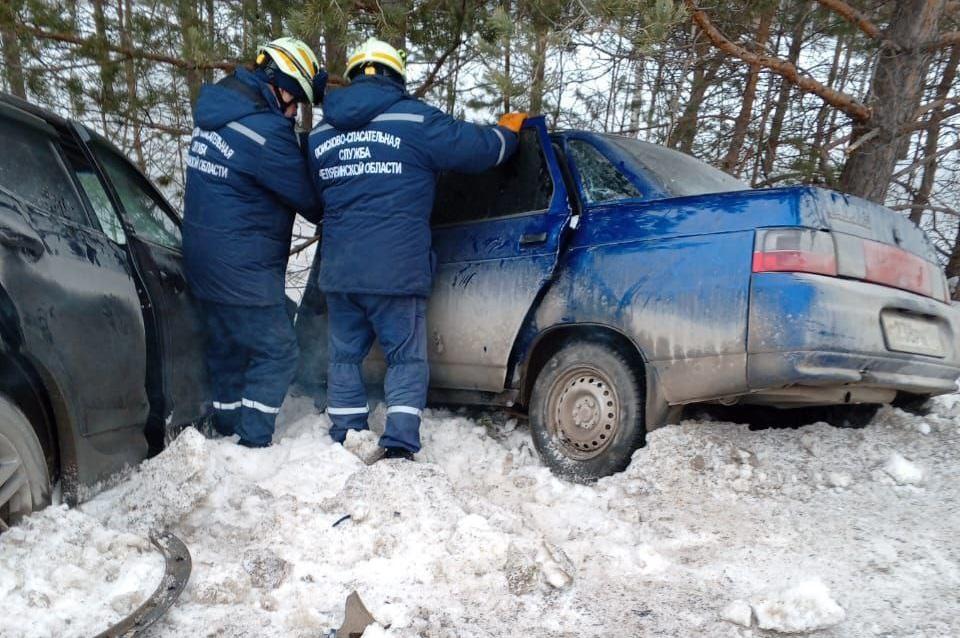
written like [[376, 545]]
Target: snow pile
[[477, 538], [63, 574], [806, 606], [903, 471], [162, 490]]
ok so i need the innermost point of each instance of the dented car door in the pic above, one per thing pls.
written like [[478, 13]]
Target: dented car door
[[72, 290], [496, 236]]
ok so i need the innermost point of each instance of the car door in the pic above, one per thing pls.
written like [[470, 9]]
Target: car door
[[72, 290], [496, 236], [153, 232]]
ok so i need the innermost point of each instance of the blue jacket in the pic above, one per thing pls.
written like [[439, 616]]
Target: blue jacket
[[246, 178], [375, 160]]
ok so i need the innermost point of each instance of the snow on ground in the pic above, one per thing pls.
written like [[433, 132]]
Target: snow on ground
[[714, 530]]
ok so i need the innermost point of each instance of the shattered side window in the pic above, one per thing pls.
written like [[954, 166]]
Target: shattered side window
[[522, 184], [100, 202], [31, 169], [599, 179], [144, 211]]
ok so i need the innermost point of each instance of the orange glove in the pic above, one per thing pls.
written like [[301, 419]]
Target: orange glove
[[512, 121]]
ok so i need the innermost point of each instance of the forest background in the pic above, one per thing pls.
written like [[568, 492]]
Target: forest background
[[861, 97]]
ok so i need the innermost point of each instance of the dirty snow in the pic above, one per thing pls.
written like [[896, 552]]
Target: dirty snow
[[714, 530]]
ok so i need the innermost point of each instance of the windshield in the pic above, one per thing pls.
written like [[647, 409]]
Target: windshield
[[677, 173]]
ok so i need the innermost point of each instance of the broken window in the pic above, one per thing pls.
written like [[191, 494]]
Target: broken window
[[31, 169], [521, 184], [145, 211], [600, 180]]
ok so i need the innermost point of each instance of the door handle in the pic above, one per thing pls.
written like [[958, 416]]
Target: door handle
[[19, 235], [531, 239]]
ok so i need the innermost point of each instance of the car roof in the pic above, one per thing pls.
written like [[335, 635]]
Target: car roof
[[22, 105], [51, 118]]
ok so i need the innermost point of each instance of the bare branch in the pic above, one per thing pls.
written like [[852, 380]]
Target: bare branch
[[853, 16], [842, 101], [305, 245]]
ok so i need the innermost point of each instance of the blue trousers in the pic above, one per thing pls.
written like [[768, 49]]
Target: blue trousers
[[251, 358], [399, 324]]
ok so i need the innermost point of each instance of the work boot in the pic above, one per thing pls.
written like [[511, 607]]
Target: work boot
[[397, 453], [251, 444]]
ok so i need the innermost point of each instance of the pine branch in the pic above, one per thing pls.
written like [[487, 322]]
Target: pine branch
[[853, 16], [431, 78], [132, 53], [788, 71]]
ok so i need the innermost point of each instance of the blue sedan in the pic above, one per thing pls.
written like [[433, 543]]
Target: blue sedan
[[601, 284]]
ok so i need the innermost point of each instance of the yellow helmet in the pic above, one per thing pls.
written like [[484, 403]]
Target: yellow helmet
[[294, 59], [375, 51]]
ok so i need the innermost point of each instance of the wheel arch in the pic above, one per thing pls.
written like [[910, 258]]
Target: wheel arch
[[549, 341], [34, 391]]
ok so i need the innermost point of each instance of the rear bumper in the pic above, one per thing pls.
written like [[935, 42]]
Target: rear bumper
[[810, 330]]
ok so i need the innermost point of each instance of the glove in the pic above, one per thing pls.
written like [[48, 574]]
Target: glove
[[512, 121]]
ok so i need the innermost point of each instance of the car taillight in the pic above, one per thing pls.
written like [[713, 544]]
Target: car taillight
[[892, 266], [822, 253], [794, 250]]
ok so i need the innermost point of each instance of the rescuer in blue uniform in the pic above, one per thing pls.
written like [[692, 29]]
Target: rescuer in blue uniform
[[246, 180], [374, 160]]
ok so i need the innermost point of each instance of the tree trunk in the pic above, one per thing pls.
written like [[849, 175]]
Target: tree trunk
[[819, 154], [508, 78], [655, 93], [894, 95], [12, 61], [250, 38], [539, 62], [125, 13], [783, 99], [732, 158], [635, 106], [211, 35], [704, 72], [922, 198], [335, 46], [106, 97], [190, 32], [395, 22]]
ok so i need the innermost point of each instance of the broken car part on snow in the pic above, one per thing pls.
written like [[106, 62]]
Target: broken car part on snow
[[178, 565]]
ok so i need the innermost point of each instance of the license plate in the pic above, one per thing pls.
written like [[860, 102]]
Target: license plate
[[915, 335]]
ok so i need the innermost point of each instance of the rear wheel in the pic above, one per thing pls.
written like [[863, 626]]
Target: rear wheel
[[586, 411], [24, 481]]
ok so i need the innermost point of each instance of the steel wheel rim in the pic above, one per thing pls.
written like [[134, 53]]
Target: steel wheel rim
[[584, 412], [15, 499]]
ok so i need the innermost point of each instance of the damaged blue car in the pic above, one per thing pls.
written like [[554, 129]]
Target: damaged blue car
[[600, 284]]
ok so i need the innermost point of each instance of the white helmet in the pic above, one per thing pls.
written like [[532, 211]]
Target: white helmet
[[375, 51], [295, 60]]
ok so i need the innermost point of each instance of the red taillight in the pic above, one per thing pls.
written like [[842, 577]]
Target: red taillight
[[819, 252], [892, 266], [795, 250]]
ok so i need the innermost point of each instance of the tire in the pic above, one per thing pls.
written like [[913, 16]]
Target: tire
[[586, 411], [24, 481]]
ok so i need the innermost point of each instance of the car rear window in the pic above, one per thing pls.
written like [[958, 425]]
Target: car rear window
[[31, 168], [677, 173]]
